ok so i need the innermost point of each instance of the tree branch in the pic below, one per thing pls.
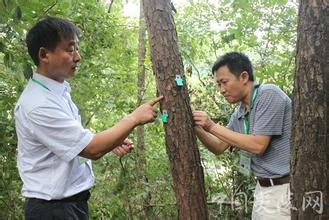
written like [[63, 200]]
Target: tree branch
[[110, 6], [50, 7]]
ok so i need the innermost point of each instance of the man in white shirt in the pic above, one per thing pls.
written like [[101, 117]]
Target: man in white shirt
[[54, 150]]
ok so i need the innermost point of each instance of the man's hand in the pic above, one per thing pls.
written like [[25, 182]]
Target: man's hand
[[146, 113], [124, 148], [202, 119]]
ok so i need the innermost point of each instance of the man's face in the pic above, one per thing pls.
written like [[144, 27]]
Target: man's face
[[62, 62], [230, 86]]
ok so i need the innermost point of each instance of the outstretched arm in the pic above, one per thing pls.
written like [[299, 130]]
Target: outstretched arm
[[256, 144], [109, 139]]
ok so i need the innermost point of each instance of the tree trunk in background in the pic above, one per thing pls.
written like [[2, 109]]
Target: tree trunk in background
[[310, 131], [181, 143], [140, 151]]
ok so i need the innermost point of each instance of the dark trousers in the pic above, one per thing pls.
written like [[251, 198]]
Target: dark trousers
[[72, 208]]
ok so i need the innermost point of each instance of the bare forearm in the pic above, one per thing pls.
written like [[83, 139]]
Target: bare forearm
[[256, 144], [211, 142], [109, 139]]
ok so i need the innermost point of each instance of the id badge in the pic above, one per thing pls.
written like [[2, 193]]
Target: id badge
[[245, 162], [82, 160]]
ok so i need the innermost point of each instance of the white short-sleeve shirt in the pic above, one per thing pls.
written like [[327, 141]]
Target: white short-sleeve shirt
[[50, 137]]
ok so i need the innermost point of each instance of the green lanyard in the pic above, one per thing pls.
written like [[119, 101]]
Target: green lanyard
[[40, 83], [246, 121]]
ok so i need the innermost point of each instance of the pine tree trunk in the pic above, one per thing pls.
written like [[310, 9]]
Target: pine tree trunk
[[310, 131], [180, 138]]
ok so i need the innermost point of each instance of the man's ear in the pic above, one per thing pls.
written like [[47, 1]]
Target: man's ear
[[244, 76], [43, 55]]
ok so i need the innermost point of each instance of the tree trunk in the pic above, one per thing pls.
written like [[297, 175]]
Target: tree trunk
[[140, 151], [310, 131], [180, 138]]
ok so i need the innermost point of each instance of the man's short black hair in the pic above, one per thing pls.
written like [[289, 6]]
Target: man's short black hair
[[236, 62], [47, 33]]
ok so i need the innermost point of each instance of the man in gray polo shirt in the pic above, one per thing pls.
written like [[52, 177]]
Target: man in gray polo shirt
[[54, 150], [259, 128]]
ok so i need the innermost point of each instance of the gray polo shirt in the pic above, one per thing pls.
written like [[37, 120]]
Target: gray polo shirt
[[270, 115]]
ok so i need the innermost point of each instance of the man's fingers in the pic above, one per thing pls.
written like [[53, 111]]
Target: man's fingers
[[155, 100], [198, 113], [117, 151], [155, 113], [127, 141], [198, 117], [127, 148]]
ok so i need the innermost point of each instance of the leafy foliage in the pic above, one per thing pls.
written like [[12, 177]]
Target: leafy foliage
[[10, 199], [105, 89]]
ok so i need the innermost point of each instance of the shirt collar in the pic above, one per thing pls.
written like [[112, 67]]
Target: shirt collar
[[242, 107], [54, 86], [241, 110]]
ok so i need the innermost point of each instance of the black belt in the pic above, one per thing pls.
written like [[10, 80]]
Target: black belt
[[80, 197], [266, 182]]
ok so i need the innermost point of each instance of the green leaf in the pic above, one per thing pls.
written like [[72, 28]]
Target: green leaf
[[5, 3], [241, 4], [17, 13], [2, 47], [8, 59]]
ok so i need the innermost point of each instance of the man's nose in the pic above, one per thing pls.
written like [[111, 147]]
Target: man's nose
[[77, 56], [222, 89]]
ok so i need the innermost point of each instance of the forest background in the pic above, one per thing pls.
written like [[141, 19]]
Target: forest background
[[105, 89]]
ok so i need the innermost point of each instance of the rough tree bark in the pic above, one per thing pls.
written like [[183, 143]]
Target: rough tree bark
[[310, 131], [180, 138]]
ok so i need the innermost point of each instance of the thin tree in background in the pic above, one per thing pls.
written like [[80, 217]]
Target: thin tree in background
[[181, 143], [140, 131], [310, 131]]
